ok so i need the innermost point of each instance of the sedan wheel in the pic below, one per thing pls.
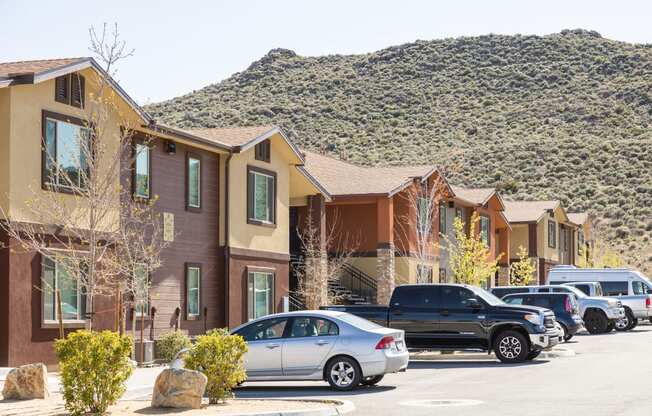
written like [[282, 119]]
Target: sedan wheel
[[343, 373]]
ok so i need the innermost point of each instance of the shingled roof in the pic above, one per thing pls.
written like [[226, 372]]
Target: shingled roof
[[341, 178], [528, 211], [476, 196]]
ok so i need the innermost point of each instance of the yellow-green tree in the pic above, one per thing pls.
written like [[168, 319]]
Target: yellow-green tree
[[470, 257], [522, 271]]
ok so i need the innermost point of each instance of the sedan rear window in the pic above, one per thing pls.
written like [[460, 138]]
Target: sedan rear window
[[358, 322]]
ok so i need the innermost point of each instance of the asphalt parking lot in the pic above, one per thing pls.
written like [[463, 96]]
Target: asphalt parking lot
[[610, 374]]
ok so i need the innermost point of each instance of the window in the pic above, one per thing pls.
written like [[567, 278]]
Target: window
[[442, 219], [263, 151], [263, 330], [543, 290], [580, 241], [638, 288], [260, 294], [422, 216], [65, 149], [459, 214], [485, 230], [455, 297], [514, 300], [57, 275], [416, 297], [193, 287], [442, 275], [261, 197], [552, 234], [540, 301], [141, 290], [70, 89], [142, 171], [614, 288], [424, 273], [312, 327], [193, 187], [584, 288]]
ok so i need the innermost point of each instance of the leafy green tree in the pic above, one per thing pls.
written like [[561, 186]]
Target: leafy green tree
[[522, 271]]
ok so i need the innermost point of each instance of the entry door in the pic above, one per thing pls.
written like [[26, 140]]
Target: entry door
[[307, 345], [414, 311], [460, 325], [265, 341]]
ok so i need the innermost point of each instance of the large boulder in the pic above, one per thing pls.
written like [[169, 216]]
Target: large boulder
[[27, 382], [179, 388]]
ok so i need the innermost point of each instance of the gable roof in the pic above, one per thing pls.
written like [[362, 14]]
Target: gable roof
[[528, 211], [578, 218], [34, 72], [341, 178], [476, 196]]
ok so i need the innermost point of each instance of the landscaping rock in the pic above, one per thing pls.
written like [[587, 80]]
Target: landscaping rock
[[179, 388], [27, 382]]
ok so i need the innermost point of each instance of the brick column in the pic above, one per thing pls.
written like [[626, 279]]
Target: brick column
[[317, 262], [385, 250]]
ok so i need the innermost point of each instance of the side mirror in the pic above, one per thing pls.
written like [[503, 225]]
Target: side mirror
[[474, 304]]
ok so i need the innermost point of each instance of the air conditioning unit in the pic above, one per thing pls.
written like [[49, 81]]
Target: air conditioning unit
[[148, 353]]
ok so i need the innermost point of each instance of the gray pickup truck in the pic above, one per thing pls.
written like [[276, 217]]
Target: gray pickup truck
[[637, 305], [600, 314]]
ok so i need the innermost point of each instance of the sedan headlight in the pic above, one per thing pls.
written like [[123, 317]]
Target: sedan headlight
[[536, 319]]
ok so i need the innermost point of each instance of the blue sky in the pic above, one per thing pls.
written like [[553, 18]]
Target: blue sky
[[183, 45]]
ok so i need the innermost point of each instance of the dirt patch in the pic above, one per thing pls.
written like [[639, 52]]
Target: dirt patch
[[140, 407]]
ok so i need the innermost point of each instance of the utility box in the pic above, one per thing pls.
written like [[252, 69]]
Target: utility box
[[148, 353]]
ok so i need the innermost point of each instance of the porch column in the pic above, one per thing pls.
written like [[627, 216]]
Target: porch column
[[316, 290], [385, 249], [503, 245]]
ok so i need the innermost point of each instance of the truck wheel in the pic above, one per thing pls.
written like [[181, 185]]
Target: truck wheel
[[610, 326], [625, 324], [596, 322], [343, 373], [532, 355], [511, 347], [371, 381], [634, 323]]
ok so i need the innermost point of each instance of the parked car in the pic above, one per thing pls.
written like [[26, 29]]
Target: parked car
[[600, 314], [632, 288], [564, 305], [338, 347], [462, 317]]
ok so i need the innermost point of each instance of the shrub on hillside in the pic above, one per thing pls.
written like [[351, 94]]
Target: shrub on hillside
[[220, 357], [170, 344], [94, 368]]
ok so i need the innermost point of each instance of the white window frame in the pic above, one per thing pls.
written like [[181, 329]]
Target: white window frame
[[251, 292], [148, 305], [80, 298], [269, 210], [143, 149], [190, 315], [190, 203], [55, 158]]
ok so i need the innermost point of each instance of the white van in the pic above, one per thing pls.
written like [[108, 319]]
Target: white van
[[631, 287]]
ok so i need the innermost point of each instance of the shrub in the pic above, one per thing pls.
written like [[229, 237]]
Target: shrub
[[170, 344], [94, 368], [220, 357]]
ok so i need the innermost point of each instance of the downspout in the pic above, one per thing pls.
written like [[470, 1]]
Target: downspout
[[227, 253]]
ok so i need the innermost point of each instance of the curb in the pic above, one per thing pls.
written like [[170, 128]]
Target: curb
[[344, 406], [483, 356]]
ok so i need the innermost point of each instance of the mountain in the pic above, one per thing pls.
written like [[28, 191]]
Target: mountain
[[564, 116]]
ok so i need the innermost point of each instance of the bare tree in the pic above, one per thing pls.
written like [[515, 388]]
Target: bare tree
[[322, 261], [75, 221]]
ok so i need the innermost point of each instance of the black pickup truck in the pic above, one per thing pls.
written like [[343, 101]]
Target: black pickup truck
[[462, 317]]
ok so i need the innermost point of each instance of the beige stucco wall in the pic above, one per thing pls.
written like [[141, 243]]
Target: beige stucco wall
[[367, 265], [258, 237], [406, 270], [5, 104], [519, 237], [27, 104]]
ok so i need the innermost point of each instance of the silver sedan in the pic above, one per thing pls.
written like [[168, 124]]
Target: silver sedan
[[338, 347]]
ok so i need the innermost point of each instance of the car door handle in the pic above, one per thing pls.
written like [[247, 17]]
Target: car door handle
[[397, 312], [272, 346], [445, 313], [322, 342]]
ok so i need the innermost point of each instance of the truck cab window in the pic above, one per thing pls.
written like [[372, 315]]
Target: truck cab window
[[454, 297]]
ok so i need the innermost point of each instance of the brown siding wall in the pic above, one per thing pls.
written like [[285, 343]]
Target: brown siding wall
[[196, 241], [27, 340], [356, 223], [4, 298], [238, 264]]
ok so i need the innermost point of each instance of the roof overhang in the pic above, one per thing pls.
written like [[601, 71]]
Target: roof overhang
[[327, 196], [38, 77], [173, 131], [421, 179], [274, 130]]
